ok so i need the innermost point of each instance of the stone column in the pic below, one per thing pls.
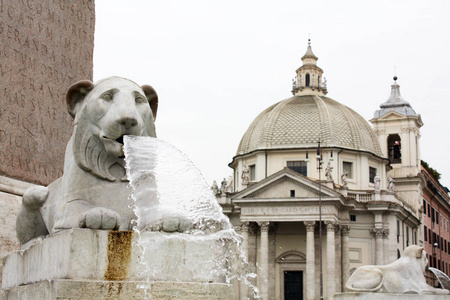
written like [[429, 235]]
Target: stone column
[[244, 229], [310, 260], [264, 273], [345, 231], [378, 233], [331, 261]]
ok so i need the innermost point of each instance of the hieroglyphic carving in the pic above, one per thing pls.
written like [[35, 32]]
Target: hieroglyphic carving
[[45, 46]]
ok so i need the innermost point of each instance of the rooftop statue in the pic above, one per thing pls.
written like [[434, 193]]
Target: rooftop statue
[[92, 192], [404, 276]]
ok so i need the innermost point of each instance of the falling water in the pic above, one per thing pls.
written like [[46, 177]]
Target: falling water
[[170, 194], [443, 279]]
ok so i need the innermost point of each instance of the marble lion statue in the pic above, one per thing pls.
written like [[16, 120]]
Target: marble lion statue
[[403, 276], [92, 193]]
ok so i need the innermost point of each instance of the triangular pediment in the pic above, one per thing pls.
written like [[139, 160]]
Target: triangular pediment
[[392, 115], [280, 185]]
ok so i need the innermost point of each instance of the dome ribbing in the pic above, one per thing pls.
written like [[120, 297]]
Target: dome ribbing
[[301, 121]]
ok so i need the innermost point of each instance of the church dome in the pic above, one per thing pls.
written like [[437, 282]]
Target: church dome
[[309, 117], [301, 121]]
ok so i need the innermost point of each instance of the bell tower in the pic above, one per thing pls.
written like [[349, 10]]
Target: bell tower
[[397, 127], [309, 79]]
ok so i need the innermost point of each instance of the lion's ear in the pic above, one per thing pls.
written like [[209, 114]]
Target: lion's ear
[[152, 98], [75, 95], [419, 253]]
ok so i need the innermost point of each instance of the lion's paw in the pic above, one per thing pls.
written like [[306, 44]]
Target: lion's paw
[[171, 223], [100, 218], [35, 197]]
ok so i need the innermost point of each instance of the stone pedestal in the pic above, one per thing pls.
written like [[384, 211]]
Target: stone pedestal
[[387, 296], [123, 290], [97, 261]]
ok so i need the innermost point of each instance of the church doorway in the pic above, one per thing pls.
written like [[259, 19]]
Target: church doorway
[[293, 285]]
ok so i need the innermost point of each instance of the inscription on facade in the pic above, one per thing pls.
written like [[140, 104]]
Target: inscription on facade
[[286, 210], [45, 46]]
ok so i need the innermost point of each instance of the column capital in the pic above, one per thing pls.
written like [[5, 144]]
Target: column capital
[[385, 233], [331, 225], [264, 225], [244, 226], [377, 232], [345, 229], [310, 225]]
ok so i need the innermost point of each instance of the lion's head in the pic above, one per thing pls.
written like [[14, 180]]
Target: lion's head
[[418, 254], [103, 113]]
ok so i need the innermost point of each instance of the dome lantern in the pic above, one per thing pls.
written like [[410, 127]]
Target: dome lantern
[[309, 76]]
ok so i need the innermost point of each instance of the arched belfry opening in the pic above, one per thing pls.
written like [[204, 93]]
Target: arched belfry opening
[[394, 149], [307, 80]]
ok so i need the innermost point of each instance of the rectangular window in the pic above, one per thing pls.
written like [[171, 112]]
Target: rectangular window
[[428, 210], [252, 172], [348, 166], [437, 217], [429, 236], [292, 193], [398, 231], [424, 207], [415, 237], [372, 174], [298, 166], [441, 246], [353, 218], [432, 215], [407, 236], [425, 234]]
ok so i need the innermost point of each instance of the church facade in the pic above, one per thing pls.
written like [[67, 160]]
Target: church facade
[[317, 191]]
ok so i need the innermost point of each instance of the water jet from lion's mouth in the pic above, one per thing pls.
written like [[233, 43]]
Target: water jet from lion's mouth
[[164, 182]]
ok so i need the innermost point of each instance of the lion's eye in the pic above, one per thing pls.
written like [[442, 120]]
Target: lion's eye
[[107, 96], [140, 99]]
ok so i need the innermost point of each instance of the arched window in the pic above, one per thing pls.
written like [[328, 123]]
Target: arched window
[[394, 149], [307, 80]]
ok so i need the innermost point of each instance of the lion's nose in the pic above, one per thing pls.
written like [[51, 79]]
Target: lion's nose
[[128, 122]]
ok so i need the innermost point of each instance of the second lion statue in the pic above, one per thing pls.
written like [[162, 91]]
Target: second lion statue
[[403, 276], [92, 193]]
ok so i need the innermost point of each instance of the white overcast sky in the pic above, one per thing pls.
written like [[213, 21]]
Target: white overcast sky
[[217, 64]]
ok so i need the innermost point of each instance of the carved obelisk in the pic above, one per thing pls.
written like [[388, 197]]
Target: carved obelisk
[[45, 46]]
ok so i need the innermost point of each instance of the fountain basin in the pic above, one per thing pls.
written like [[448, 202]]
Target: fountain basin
[[99, 256], [123, 290]]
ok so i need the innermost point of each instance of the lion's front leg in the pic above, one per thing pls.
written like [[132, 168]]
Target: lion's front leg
[[30, 223]]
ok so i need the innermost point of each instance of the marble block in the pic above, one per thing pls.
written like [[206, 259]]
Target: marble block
[[85, 254], [388, 296], [123, 290]]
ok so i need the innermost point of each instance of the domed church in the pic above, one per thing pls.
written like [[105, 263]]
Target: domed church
[[317, 191]]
